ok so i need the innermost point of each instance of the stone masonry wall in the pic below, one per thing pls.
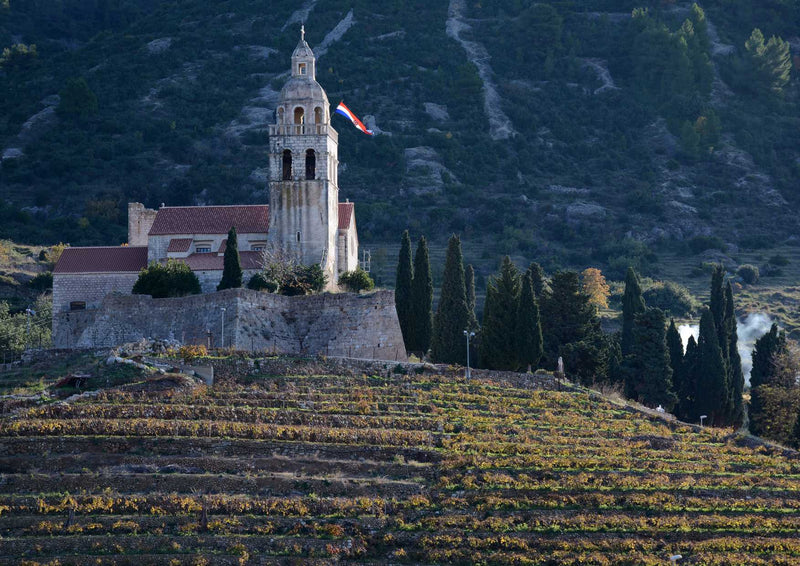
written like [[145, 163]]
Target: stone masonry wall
[[342, 324], [88, 287]]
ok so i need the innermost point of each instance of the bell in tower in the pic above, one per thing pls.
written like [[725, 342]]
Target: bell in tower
[[304, 195]]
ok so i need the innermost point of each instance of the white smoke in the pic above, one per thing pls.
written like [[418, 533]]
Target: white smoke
[[749, 328]]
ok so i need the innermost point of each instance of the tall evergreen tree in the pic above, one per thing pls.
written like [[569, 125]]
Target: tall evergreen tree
[[686, 398], [716, 305], [675, 349], [402, 290], [649, 362], [498, 342], [763, 373], [735, 373], [632, 304], [452, 314], [422, 299], [529, 326], [567, 317], [795, 440], [231, 265], [711, 393], [538, 279], [469, 281]]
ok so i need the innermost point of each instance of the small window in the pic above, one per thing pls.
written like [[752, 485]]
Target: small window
[[77, 306], [311, 165], [203, 250], [257, 248], [287, 165], [301, 68], [298, 237]]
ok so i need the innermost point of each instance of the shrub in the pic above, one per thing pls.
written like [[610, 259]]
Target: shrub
[[779, 260], [192, 351], [748, 273], [259, 282], [171, 279], [699, 244], [356, 281], [673, 299], [42, 281], [303, 280]]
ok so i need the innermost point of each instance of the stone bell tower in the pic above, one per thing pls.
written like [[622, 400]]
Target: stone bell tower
[[304, 194]]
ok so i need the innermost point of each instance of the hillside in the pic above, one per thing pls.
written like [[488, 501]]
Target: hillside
[[289, 461], [545, 130]]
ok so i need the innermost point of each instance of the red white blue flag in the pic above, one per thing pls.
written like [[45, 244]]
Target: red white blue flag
[[345, 111]]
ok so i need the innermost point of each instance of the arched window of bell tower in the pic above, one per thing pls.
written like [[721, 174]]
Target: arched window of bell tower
[[318, 115], [299, 115], [280, 115], [287, 165], [311, 165]]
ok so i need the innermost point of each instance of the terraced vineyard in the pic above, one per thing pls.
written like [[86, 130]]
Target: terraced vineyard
[[416, 469]]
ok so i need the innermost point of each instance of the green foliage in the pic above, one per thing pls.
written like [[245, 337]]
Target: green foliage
[[699, 244], [765, 350], [672, 298], [680, 385], [422, 299], [632, 305], [402, 290], [357, 280], [170, 279], [18, 57], [538, 279], [710, 375], [529, 327], [469, 282], [748, 273], [776, 418], [304, 280], [452, 313], [259, 282], [500, 342], [231, 266], [42, 281], [648, 372], [734, 361], [77, 99], [769, 64], [21, 331]]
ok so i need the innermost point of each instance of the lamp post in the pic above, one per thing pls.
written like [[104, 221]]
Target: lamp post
[[468, 334], [222, 334], [702, 418]]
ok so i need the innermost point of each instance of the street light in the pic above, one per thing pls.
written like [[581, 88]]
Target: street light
[[222, 334], [468, 334], [702, 417]]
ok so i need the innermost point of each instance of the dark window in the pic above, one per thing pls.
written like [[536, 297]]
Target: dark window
[[287, 165], [298, 236], [311, 165], [299, 115], [203, 250], [77, 306]]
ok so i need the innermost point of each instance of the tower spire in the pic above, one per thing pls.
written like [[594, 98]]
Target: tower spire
[[302, 32]]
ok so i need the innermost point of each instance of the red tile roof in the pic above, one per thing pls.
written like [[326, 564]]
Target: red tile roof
[[223, 246], [248, 219], [214, 262], [345, 214], [179, 245], [112, 259]]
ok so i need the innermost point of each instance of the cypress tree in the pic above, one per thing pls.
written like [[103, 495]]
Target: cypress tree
[[422, 299], [402, 291], [649, 361], [469, 282], [452, 317], [566, 314], [763, 373], [632, 304], [711, 393], [686, 399], [675, 349], [529, 326], [716, 304], [231, 265], [795, 439], [735, 373], [498, 343], [538, 279]]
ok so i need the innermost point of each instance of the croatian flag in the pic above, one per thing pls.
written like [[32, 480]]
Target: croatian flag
[[345, 111]]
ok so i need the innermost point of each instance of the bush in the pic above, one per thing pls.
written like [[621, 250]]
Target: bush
[[779, 260], [171, 279], [356, 281], [192, 351], [259, 282], [303, 280], [699, 244], [673, 299], [748, 273], [42, 281]]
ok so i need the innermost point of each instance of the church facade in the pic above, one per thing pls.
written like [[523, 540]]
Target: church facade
[[304, 217]]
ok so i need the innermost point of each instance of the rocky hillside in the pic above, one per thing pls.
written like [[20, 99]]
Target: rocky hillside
[[547, 130]]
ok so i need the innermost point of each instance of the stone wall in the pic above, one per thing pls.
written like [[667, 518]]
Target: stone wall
[[140, 220], [341, 324], [90, 288]]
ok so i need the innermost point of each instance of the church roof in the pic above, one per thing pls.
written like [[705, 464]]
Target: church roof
[[214, 262], [109, 259], [248, 219], [179, 245], [345, 214]]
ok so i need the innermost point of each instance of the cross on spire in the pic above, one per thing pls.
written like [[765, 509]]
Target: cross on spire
[[302, 32]]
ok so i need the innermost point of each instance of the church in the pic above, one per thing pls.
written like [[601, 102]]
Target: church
[[304, 216]]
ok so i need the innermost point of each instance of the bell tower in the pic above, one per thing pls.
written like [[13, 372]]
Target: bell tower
[[303, 154]]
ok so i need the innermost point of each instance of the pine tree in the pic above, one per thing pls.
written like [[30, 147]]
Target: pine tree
[[711, 393], [538, 279], [675, 349], [529, 326], [402, 291], [735, 373], [422, 299], [469, 281], [567, 317], [649, 361], [499, 346], [452, 316], [632, 304], [231, 265]]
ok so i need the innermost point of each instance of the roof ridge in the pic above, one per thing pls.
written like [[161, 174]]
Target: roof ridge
[[214, 206], [102, 247]]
